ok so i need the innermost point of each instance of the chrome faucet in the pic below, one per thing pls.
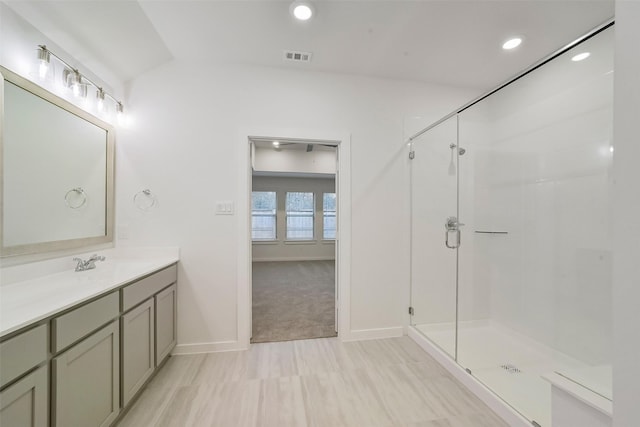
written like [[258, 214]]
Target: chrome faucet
[[88, 264]]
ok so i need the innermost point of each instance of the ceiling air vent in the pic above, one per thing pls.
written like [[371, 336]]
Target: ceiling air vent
[[295, 56]]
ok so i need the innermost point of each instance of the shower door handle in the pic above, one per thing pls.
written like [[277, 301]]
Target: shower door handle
[[452, 226], [457, 241]]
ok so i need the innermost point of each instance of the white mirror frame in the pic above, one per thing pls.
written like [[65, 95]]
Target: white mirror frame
[[35, 248]]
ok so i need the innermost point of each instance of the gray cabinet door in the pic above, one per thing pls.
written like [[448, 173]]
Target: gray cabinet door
[[166, 331], [137, 349], [86, 381], [25, 403]]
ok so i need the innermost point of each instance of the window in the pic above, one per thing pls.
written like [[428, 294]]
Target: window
[[329, 216], [263, 215], [300, 209]]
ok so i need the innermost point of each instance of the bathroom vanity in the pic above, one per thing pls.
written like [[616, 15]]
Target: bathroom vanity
[[77, 347]]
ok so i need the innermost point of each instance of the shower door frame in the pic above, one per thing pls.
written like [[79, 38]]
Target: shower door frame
[[444, 243]]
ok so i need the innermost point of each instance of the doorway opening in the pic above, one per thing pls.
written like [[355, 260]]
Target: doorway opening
[[294, 232]]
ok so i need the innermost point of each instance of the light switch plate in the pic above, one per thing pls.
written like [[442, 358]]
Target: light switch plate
[[224, 207]]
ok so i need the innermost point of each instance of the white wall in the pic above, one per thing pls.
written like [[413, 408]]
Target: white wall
[[626, 216], [281, 249], [182, 148]]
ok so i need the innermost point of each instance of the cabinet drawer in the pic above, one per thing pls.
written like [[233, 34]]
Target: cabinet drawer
[[22, 352], [134, 294], [74, 325]]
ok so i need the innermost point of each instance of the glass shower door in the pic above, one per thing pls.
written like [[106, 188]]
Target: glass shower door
[[435, 234], [534, 277]]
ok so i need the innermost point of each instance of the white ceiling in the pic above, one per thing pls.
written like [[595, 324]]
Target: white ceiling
[[446, 42]]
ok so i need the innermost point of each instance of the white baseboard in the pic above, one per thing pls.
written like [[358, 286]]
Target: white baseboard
[[374, 334], [307, 258], [212, 347], [504, 411]]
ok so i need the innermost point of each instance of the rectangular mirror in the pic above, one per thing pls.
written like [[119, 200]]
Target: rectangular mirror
[[57, 171]]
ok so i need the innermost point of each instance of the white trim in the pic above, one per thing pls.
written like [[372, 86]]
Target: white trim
[[318, 258], [208, 347], [299, 242], [502, 409], [375, 334], [343, 142]]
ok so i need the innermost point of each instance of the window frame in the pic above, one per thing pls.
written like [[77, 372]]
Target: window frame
[[311, 214], [274, 215], [325, 216]]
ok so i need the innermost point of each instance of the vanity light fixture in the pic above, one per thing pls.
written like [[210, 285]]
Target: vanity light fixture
[[44, 58], [73, 80], [276, 144], [77, 82], [100, 99], [512, 43], [301, 10], [581, 56], [120, 113]]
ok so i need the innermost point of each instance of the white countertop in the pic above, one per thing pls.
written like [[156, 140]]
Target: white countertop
[[25, 302]]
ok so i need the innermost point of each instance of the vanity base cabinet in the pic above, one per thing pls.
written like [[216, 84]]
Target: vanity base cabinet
[[138, 346], [85, 365], [86, 389], [25, 403], [166, 333]]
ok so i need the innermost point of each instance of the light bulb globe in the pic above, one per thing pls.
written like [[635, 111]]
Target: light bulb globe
[[512, 43], [301, 10]]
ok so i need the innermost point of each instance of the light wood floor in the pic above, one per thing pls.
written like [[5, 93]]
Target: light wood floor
[[320, 382]]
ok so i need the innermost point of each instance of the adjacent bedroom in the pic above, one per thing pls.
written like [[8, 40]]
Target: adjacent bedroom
[[293, 233]]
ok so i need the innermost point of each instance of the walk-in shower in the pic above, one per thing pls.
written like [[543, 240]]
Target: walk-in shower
[[511, 243]]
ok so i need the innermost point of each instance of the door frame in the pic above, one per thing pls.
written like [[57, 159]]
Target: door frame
[[342, 140]]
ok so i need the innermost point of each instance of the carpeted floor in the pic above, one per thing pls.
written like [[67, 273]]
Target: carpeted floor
[[293, 300]]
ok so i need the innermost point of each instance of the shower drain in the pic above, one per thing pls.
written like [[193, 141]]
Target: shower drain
[[512, 369]]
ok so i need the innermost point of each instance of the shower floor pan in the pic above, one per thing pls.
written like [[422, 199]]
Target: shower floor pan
[[511, 364]]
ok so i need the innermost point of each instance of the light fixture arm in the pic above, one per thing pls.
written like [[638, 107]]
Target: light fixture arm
[[45, 52]]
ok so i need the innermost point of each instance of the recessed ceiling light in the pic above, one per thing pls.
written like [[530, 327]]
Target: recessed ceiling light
[[580, 56], [276, 144], [512, 43], [301, 10]]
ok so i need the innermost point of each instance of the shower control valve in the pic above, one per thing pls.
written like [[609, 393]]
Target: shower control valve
[[452, 223]]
